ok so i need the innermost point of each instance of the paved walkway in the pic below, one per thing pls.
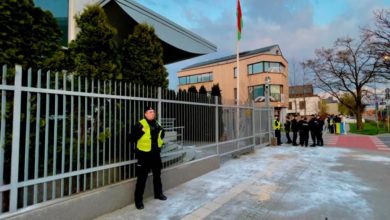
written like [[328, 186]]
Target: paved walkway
[[364, 142], [385, 138], [281, 183]]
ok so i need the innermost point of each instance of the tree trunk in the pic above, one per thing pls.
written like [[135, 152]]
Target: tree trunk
[[359, 121]]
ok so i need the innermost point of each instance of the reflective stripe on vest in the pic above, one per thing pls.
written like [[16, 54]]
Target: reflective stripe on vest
[[277, 127], [145, 142]]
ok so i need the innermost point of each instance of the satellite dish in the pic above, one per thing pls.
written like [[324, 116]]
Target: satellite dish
[[262, 99], [259, 99]]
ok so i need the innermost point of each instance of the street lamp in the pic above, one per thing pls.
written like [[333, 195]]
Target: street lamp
[[267, 83]]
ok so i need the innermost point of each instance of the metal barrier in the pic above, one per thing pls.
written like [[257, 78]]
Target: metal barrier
[[62, 135]]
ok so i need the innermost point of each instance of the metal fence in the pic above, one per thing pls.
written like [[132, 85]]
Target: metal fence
[[62, 135]]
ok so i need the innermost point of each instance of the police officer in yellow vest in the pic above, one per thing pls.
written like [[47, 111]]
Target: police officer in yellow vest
[[277, 129], [148, 135]]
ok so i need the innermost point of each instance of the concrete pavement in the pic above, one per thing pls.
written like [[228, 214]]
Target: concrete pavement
[[281, 183]]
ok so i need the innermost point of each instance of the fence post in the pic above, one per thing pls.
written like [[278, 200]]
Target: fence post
[[216, 124], [15, 139], [159, 104], [253, 125], [2, 134]]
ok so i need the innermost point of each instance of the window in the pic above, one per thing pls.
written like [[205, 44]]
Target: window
[[193, 79], [250, 70], [276, 67], [266, 66], [235, 72], [275, 91], [258, 68], [302, 104], [256, 91], [183, 80], [289, 105], [205, 77], [255, 68]]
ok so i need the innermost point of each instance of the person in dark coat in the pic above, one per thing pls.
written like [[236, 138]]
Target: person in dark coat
[[320, 125], [332, 124], [295, 129], [148, 135], [303, 132], [287, 128], [312, 127]]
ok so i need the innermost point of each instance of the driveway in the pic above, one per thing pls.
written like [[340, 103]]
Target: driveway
[[281, 183]]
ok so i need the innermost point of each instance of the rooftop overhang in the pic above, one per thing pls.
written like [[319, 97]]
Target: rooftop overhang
[[178, 43]]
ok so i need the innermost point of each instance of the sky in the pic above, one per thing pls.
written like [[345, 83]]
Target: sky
[[297, 26]]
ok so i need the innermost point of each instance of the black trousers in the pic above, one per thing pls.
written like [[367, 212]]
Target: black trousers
[[277, 135], [147, 162], [313, 136], [288, 136], [304, 138], [331, 129], [320, 141], [295, 136]]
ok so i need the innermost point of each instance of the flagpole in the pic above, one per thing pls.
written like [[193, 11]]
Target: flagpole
[[238, 90]]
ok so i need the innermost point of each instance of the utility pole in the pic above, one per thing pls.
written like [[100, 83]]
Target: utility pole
[[376, 107], [387, 97]]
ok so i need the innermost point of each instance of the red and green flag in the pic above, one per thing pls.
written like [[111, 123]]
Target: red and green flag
[[240, 22]]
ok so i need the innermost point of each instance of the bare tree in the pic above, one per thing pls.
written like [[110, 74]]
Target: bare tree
[[380, 40], [346, 68]]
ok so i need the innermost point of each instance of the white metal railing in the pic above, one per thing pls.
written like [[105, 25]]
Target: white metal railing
[[62, 135]]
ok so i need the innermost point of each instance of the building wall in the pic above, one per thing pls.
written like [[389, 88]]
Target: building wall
[[75, 8], [332, 108], [223, 74], [312, 105]]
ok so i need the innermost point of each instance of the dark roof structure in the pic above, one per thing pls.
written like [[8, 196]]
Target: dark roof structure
[[274, 49], [178, 43], [301, 91]]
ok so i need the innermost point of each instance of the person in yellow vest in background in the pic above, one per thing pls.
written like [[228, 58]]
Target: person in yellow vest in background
[[148, 135], [277, 126]]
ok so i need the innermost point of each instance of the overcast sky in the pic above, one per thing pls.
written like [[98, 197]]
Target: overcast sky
[[297, 26]]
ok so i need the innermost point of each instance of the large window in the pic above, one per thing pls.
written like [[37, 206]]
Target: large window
[[182, 80], [256, 91], [205, 77], [59, 9], [265, 66], [193, 79], [274, 90]]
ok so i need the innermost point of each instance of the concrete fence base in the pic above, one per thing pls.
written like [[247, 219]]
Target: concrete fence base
[[104, 200]]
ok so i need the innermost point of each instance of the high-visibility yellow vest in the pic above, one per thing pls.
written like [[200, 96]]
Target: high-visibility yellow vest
[[331, 121], [276, 125], [145, 142]]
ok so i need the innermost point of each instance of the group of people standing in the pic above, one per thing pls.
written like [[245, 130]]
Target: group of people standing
[[336, 124], [302, 126]]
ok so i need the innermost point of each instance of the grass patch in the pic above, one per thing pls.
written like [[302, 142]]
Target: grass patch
[[369, 128]]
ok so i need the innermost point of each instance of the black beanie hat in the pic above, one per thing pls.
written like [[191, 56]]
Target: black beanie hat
[[147, 108]]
